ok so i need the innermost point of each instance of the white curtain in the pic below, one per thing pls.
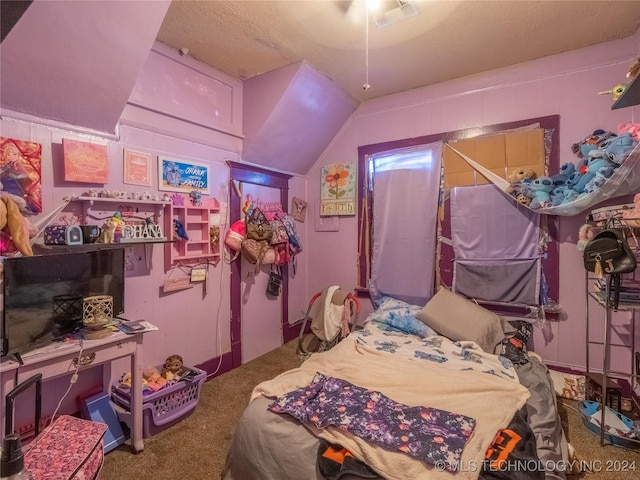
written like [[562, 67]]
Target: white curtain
[[406, 186]]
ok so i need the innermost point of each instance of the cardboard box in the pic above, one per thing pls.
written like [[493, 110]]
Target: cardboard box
[[500, 153]]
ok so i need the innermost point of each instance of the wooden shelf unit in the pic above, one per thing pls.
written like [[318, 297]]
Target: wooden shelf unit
[[197, 222]]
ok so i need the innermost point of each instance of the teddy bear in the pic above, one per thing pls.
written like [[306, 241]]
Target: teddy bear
[[541, 187], [173, 367], [520, 175]]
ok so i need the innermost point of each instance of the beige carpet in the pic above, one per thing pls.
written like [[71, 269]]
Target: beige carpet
[[195, 448]]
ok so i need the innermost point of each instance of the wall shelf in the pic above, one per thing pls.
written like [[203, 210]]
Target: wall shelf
[[630, 96], [197, 221]]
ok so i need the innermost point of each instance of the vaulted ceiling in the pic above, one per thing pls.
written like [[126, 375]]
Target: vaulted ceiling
[[445, 40], [77, 62]]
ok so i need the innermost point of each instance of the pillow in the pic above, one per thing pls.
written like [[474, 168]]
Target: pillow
[[399, 316], [457, 318]]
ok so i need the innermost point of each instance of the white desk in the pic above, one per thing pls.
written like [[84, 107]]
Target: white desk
[[60, 359]]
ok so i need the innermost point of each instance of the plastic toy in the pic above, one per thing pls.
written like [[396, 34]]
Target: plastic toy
[[108, 229], [616, 91], [179, 230]]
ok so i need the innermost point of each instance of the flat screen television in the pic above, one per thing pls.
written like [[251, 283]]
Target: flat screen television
[[44, 292]]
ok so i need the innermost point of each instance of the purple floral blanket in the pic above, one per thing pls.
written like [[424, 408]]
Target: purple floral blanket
[[429, 434]]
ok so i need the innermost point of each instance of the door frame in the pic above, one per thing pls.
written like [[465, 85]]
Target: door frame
[[241, 172]]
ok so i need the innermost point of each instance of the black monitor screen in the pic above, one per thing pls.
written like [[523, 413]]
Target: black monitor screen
[[45, 291]]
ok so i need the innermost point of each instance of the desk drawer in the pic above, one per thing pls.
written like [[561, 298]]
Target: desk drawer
[[64, 363]]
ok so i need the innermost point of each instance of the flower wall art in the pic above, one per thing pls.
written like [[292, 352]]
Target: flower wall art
[[338, 189]]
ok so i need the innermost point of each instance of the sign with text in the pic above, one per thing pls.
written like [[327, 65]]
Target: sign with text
[[338, 189], [182, 175]]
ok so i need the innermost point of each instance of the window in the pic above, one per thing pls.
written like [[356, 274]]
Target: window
[[404, 188], [406, 154]]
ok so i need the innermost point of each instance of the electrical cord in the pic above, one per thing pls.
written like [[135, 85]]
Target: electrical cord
[[223, 223], [72, 381]]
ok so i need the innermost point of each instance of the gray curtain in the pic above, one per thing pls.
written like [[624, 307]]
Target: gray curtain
[[405, 206], [496, 246]]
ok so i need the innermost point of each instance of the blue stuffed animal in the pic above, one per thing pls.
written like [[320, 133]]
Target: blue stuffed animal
[[542, 187], [595, 183], [570, 194], [556, 197], [618, 148], [562, 176], [597, 164], [582, 148]]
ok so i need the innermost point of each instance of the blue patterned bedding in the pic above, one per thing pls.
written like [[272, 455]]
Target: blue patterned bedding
[[437, 349]]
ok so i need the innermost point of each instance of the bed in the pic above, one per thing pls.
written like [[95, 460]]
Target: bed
[[457, 409]]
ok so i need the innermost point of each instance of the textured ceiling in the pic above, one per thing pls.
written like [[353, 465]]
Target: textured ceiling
[[448, 39]]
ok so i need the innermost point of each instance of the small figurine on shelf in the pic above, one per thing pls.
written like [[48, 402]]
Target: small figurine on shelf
[[177, 199], [196, 197], [615, 92], [179, 230], [108, 229]]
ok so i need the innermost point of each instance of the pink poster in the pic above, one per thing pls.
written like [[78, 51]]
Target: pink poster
[[85, 162], [20, 171]]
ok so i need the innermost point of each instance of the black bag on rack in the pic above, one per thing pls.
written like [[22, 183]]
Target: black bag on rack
[[609, 253]]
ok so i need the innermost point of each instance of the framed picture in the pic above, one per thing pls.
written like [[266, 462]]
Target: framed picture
[[85, 162], [137, 168], [338, 189], [298, 209], [20, 171], [182, 175]]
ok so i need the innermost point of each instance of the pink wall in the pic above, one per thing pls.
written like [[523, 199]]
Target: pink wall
[[565, 84], [191, 322], [76, 62]]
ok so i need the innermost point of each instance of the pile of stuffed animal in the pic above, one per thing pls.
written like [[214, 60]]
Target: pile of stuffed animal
[[599, 154], [153, 380]]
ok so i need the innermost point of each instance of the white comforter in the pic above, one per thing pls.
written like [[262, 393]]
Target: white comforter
[[487, 391]]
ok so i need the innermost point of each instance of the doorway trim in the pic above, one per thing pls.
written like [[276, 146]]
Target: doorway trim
[[241, 172]]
